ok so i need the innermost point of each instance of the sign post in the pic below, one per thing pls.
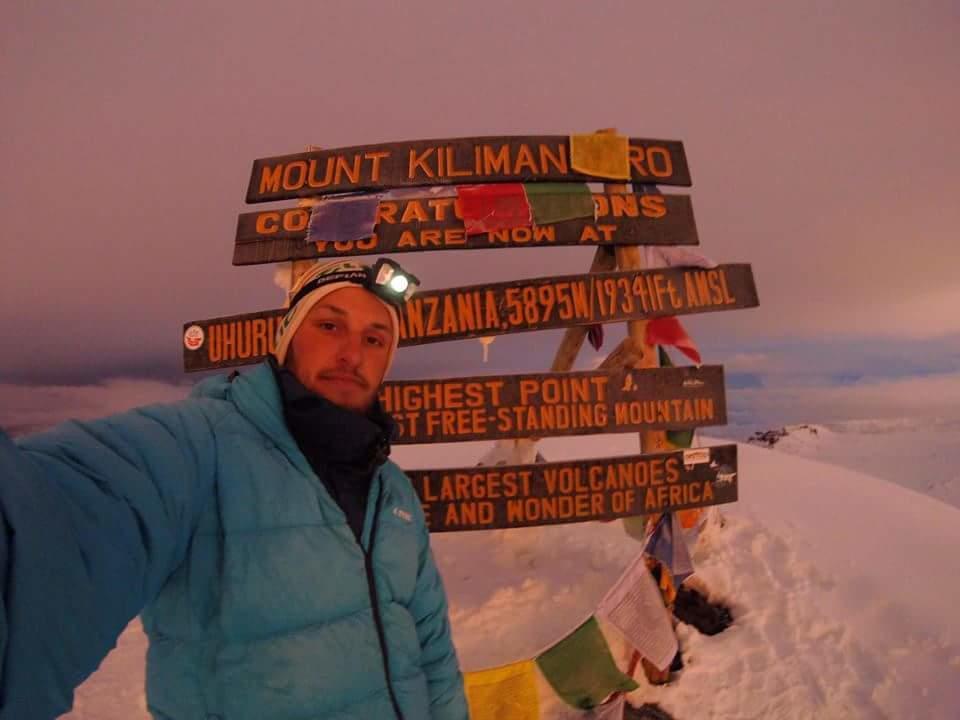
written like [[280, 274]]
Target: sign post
[[419, 207]]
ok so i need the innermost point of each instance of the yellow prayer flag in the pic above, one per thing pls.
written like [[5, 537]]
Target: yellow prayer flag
[[601, 155], [503, 693]]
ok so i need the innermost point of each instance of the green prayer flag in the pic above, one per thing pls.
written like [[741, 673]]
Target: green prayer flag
[[554, 202], [635, 527], [581, 670], [677, 438]]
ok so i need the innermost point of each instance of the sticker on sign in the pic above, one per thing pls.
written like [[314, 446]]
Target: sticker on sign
[[697, 456], [193, 337]]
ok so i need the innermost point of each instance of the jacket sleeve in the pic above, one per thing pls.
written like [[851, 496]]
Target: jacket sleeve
[[93, 519], [429, 608]]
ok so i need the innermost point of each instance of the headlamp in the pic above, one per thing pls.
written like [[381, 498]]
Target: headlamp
[[386, 279], [392, 282]]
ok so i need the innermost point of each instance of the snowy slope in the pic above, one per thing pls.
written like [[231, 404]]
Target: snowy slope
[[843, 588]]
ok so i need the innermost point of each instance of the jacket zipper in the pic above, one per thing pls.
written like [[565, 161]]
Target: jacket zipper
[[377, 620]]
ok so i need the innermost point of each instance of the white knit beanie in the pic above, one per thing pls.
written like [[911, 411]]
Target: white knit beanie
[[352, 274]]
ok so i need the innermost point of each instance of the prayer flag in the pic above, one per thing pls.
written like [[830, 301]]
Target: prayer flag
[[690, 520], [581, 670], [431, 191], [503, 693], [667, 545], [496, 206], [601, 154], [343, 219], [657, 256], [595, 336], [634, 606], [669, 331], [555, 202], [635, 527]]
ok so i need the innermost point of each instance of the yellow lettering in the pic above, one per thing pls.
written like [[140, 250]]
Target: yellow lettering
[[270, 178], [419, 162], [559, 161], [525, 159], [294, 175], [496, 163], [268, 223]]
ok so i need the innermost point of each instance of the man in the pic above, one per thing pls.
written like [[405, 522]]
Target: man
[[281, 562]]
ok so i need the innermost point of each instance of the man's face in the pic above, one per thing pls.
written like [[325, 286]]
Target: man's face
[[340, 351]]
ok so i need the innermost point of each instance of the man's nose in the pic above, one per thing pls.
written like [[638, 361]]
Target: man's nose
[[350, 350]]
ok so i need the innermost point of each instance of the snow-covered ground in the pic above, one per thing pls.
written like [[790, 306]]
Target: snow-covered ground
[[842, 584]]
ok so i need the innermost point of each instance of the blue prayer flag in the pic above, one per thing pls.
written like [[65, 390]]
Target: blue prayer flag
[[343, 219], [667, 545]]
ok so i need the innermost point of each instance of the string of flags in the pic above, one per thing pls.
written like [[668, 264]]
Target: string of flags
[[578, 676], [488, 207], [483, 208]]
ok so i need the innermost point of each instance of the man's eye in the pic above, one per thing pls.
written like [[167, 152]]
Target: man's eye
[[326, 325], [374, 340]]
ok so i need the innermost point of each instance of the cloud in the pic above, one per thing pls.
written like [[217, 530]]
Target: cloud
[[747, 362], [28, 408], [934, 399]]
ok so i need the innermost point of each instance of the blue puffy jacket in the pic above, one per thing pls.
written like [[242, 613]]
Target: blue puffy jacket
[[258, 601]]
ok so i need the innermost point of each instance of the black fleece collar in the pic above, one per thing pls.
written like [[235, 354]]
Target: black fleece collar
[[331, 434]]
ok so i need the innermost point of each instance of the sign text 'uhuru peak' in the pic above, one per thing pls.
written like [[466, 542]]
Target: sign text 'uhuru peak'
[[500, 308]]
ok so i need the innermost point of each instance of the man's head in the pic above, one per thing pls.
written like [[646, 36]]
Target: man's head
[[341, 331]]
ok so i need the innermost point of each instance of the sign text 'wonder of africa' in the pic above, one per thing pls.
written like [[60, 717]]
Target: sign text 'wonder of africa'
[[489, 498]]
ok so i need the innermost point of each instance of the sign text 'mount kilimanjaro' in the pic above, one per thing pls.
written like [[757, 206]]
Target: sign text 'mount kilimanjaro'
[[489, 498], [499, 308], [555, 404], [454, 161], [436, 223]]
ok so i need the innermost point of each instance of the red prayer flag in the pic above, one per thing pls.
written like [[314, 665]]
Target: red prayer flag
[[496, 206], [595, 336], [669, 331]]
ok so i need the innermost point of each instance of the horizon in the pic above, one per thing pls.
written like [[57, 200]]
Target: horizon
[[818, 155]]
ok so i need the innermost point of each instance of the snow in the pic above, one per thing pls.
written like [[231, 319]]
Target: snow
[[842, 584]]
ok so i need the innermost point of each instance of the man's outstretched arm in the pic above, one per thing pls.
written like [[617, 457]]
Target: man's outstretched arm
[[93, 519]]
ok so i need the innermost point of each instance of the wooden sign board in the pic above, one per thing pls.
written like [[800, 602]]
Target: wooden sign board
[[500, 308], [555, 404], [435, 223], [453, 161], [491, 498]]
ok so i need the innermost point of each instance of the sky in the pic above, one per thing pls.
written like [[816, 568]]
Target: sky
[[821, 138]]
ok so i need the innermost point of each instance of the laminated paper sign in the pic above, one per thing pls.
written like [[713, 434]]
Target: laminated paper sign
[[634, 606]]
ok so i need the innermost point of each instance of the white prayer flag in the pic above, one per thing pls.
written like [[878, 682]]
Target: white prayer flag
[[634, 606]]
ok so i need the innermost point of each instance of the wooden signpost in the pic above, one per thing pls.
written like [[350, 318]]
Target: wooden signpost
[[498, 308], [628, 393], [551, 404], [453, 161], [490, 498], [436, 223]]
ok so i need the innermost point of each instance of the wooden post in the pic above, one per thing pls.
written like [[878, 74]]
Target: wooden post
[[299, 267], [604, 260], [640, 355]]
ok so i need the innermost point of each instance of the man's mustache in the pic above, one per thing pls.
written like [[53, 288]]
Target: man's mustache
[[343, 375]]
